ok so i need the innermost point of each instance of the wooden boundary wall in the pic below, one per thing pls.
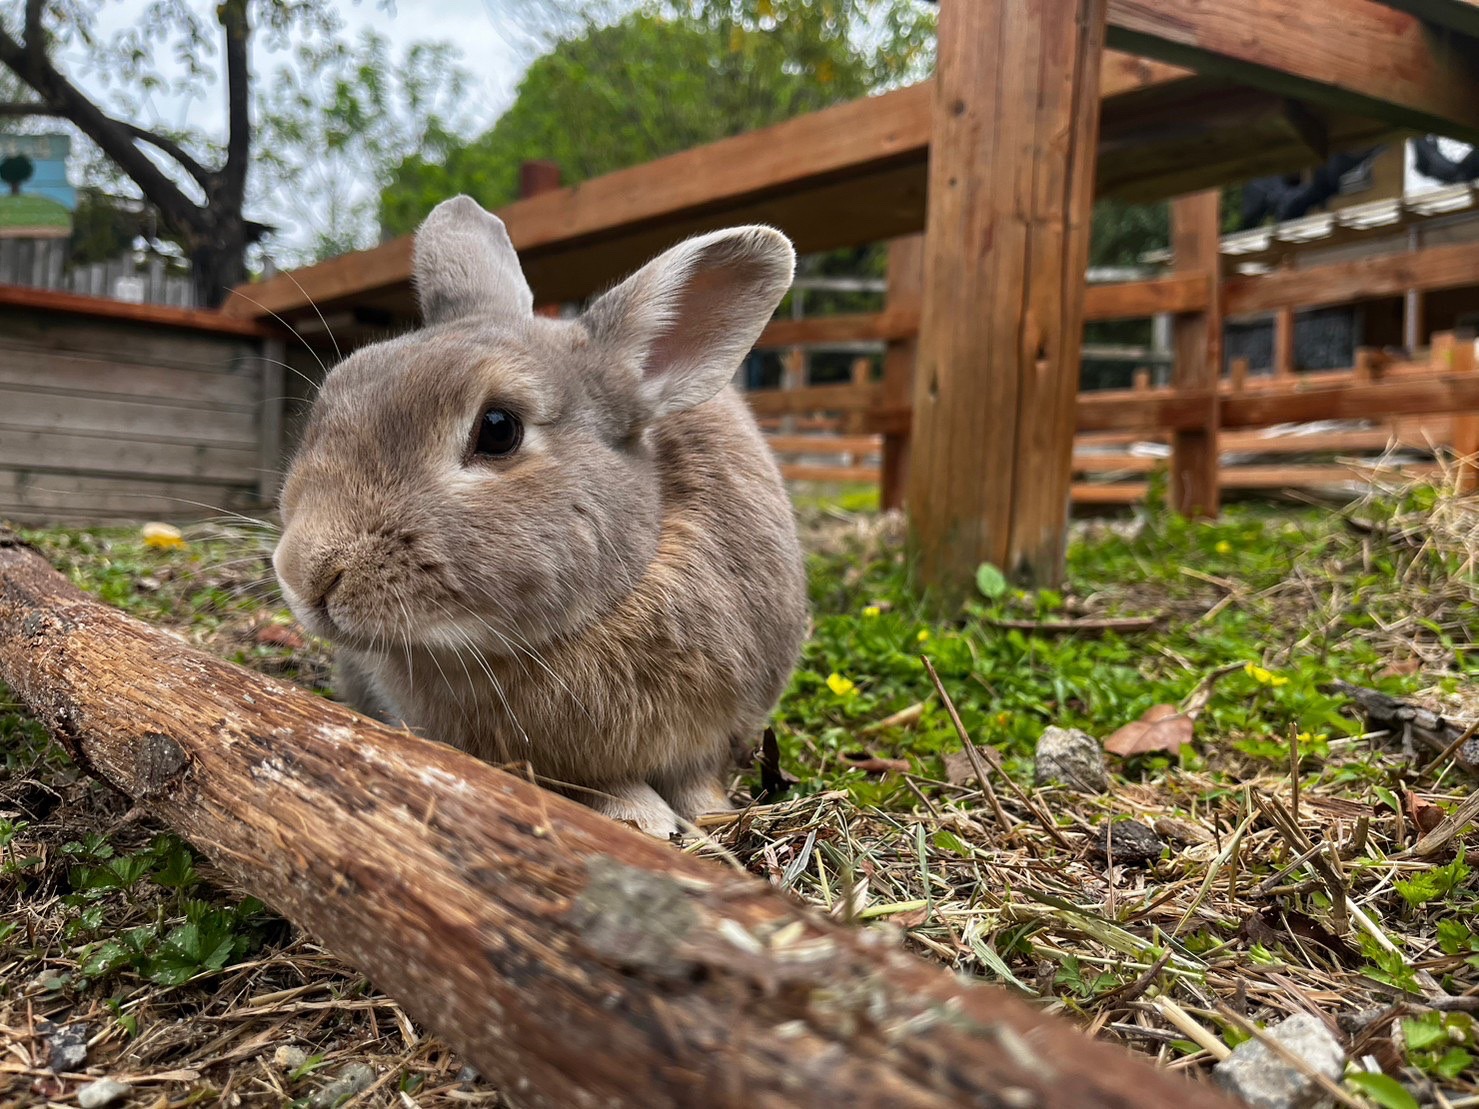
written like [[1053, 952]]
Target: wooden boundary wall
[[1230, 431], [116, 412]]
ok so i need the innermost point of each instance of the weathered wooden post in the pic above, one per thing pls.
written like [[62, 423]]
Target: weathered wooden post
[[905, 285], [1196, 228], [537, 177], [1011, 183]]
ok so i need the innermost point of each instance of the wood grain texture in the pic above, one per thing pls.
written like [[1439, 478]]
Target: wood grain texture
[[1457, 15], [157, 315], [1006, 247], [1359, 56], [1197, 342], [575, 962], [905, 296], [1434, 267]]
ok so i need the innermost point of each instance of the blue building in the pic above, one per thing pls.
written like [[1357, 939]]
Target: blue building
[[48, 154]]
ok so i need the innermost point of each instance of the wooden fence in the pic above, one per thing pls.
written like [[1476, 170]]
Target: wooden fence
[[112, 411], [42, 264], [1398, 415]]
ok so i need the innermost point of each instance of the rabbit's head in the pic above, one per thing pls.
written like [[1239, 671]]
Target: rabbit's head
[[491, 478]]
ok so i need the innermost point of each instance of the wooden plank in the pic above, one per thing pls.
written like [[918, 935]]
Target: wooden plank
[[152, 315], [68, 412], [863, 327], [1197, 341], [1434, 267], [92, 453], [1179, 292], [1456, 15], [1006, 248], [1358, 56], [1117, 493], [56, 372], [1453, 355], [845, 397], [1284, 348], [120, 341], [32, 496], [847, 475], [824, 444], [1442, 393], [905, 295], [1155, 411]]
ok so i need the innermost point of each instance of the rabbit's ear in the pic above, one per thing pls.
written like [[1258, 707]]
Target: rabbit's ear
[[688, 317], [465, 265]]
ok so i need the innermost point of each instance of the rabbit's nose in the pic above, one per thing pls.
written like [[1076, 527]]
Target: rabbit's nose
[[325, 575]]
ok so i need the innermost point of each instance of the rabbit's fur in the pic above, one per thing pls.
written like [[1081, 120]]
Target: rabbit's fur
[[619, 599]]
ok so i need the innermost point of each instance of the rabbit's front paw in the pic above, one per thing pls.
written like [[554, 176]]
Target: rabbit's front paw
[[637, 803]]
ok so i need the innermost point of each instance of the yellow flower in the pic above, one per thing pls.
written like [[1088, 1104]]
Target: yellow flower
[[923, 636], [163, 536], [1223, 547], [872, 611], [840, 685], [1264, 677], [1002, 719]]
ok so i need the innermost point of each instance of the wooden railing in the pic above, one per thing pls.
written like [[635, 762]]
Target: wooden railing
[[1426, 403]]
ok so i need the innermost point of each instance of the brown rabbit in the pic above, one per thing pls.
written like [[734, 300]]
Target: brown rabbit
[[561, 542]]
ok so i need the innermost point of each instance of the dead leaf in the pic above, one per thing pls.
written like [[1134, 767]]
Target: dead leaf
[[1161, 728], [959, 770], [1181, 831], [774, 782], [279, 635], [1423, 814], [1273, 925], [870, 763], [904, 718], [1404, 669]]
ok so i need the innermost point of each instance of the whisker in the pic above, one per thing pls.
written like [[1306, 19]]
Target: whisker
[[338, 354]]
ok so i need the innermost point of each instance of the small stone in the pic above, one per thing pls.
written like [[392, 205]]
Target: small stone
[[353, 1079], [1254, 1073], [1072, 757], [289, 1057], [105, 1091], [66, 1044], [468, 1074], [1126, 843]]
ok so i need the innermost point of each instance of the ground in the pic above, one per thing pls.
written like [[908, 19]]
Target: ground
[[1282, 877]]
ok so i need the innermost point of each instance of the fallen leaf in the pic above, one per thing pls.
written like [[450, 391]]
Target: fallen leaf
[[1404, 669], [960, 771], [1424, 814], [279, 635], [1161, 728], [1181, 831], [774, 782], [904, 718], [870, 763], [1273, 925]]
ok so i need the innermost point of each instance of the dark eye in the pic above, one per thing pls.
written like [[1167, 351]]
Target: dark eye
[[499, 432]]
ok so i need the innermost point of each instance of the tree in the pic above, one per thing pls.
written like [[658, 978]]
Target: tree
[[668, 77], [15, 171]]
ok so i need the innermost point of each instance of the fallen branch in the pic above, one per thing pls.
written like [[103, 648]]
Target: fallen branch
[[575, 962], [1411, 722]]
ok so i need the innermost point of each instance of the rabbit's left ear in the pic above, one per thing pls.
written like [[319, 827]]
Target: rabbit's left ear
[[688, 317], [464, 265]]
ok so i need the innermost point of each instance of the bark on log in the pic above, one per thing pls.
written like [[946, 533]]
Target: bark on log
[[575, 962], [1415, 724]]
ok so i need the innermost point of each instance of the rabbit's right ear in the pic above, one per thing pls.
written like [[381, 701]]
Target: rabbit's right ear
[[464, 265]]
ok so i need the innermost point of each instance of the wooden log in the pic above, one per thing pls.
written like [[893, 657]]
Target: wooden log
[[574, 961], [1197, 338], [905, 296], [1011, 181]]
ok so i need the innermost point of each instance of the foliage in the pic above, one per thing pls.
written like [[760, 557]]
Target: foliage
[[16, 171], [665, 78]]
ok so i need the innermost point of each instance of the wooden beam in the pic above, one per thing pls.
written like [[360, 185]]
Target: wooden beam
[[845, 397], [1006, 246], [824, 444], [1358, 56], [1197, 341], [1441, 393], [1154, 411], [1456, 15], [1179, 292], [838, 475], [1434, 267], [573, 961], [905, 297], [892, 323], [159, 315]]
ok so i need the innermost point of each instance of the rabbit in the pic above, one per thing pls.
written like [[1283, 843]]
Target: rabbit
[[558, 542]]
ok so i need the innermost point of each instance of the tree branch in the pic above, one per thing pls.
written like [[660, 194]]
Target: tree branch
[[28, 62], [187, 161], [23, 108]]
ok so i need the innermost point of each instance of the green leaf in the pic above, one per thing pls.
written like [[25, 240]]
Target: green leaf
[[1425, 1031], [990, 581], [1382, 1089]]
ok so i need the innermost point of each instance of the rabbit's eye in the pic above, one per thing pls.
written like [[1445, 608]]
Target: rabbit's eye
[[499, 432]]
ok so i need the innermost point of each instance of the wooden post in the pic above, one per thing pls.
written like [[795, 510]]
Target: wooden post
[[1453, 354], [1238, 376], [1196, 228], [537, 177], [271, 365], [574, 961], [1284, 343], [905, 293], [1011, 183]]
